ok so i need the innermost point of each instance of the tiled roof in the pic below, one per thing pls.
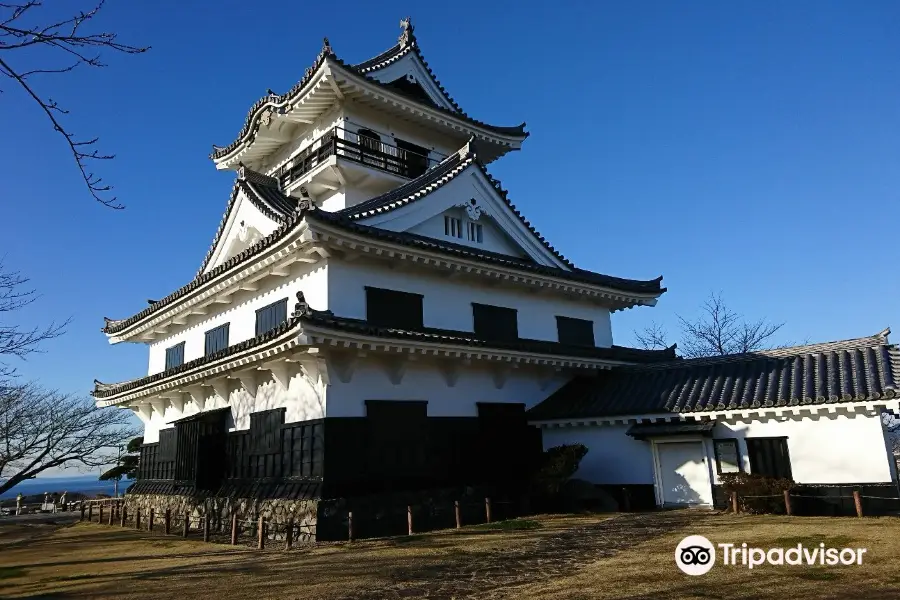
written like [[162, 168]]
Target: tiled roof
[[406, 44], [855, 370], [283, 489], [265, 194], [261, 190], [322, 319], [287, 224], [432, 180], [404, 238], [251, 123]]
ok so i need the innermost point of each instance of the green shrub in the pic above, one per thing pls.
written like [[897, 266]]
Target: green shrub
[[757, 493], [558, 464]]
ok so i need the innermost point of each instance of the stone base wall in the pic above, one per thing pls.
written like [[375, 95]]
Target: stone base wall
[[277, 512]]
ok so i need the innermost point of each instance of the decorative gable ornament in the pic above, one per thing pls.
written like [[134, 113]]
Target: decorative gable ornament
[[406, 37], [473, 209]]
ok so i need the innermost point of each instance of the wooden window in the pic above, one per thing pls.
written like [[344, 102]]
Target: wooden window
[[390, 308], [495, 322], [452, 226], [413, 158], [271, 316], [728, 459], [175, 356], [769, 456], [577, 332], [475, 232], [216, 340]]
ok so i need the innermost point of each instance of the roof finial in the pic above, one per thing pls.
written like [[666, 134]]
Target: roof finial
[[326, 47], [301, 307], [407, 37]]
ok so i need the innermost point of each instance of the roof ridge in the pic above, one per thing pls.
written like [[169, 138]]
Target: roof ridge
[[878, 339]]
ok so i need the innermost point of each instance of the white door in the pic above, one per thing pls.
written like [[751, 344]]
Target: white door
[[683, 473]]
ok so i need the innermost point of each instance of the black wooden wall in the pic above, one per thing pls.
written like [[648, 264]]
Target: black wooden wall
[[396, 447]]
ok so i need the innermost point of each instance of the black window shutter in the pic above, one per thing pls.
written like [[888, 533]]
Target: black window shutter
[[495, 322], [390, 308], [216, 340], [175, 356], [271, 316], [769, 457], [577, 332]]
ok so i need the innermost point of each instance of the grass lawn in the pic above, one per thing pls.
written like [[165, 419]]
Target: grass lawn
[[552, 557]]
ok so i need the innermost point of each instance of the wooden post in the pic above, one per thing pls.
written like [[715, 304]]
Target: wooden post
[[289, 535], [112, 514], [261, 542], [137, 518], [206, 527], [187, 523], [858, 502], [626, 500], [150, 521], [409, 519], [234, 529], [168, 521], [82, 512], [456, 512], [90, 510], [350, 526], [787, 502], [123, 516], [735, 507], [487, 509], [100, 518]]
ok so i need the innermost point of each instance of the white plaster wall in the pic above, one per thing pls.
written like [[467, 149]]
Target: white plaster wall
[[493, 240], [303, 399], [447, 303], [841, 449], [613, 457], [424, 381], [241, 313], [258, 226]]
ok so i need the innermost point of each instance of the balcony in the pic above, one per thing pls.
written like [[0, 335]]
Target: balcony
[[364, 148]]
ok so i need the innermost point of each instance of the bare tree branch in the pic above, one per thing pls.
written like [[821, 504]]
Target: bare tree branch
[[652, 337], [64, 39], [717, 331], [42, 429], [14, 339]]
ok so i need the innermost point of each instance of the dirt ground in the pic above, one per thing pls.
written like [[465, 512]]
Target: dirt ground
[[551, 557]]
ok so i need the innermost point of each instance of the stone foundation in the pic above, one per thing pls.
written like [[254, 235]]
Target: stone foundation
[[277, 512]]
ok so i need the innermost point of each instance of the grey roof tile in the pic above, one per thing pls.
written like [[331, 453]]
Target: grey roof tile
[[855, 370]]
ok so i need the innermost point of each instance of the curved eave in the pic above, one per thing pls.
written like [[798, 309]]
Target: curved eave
[[352, 237], [397, 52], [281, 245], [308, 332], [331, 81]]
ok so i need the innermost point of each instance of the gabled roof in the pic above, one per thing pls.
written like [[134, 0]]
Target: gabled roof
[[406, 44], [264, 193], [652, 286], [855, 370], [325, 320], [276, 102], [440, 175]]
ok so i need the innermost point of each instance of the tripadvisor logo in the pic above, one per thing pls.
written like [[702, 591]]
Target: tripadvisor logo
[[696, 555]]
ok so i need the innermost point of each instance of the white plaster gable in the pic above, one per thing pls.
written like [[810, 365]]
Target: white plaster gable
[[244, 226], [469, 193], [411, 68], [494, 239]]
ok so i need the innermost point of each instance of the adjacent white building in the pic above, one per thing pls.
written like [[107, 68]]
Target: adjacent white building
[[374, 314]]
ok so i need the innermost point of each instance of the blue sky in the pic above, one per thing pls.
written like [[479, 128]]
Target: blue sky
[[745, 147]]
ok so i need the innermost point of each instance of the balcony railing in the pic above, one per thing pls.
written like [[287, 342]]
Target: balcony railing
[[363, 149]]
